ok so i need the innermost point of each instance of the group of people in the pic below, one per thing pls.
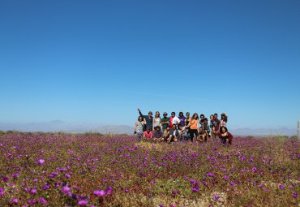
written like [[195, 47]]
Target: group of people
[[182, 128]]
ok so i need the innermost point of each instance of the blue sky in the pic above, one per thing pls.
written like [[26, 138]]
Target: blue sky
[[97, 61]]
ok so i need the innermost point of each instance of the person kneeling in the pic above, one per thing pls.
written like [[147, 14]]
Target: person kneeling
[[157, 134], [173, 134], [202, 136], [147, 135], [225, 135]]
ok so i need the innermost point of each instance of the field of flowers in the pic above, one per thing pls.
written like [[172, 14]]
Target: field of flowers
[[56, 169]]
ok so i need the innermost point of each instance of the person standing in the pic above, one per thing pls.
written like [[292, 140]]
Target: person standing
[[215, 126], [139, 128], [174, 120], [194, 125], [187, 128], [156, 120], [204, 124], [182, 120], [165, 121], [148, 119]]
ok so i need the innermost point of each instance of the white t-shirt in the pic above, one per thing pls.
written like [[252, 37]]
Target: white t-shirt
[[176, 120], [156, 122]]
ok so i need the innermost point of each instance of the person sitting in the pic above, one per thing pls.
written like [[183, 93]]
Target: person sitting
[[202, 135], [225, 135], [174, 134], [185, 135], [157, 134], [166, 134], [148, 135]]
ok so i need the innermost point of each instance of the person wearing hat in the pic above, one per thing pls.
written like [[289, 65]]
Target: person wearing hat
[[148, 119]]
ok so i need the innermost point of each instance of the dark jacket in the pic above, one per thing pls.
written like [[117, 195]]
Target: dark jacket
[[149, 121]]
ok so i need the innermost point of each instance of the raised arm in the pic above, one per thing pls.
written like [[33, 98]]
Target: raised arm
[[140, 113]]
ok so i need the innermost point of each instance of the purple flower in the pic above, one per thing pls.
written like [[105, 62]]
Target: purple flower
[[210, 174], [5, 179], [53, 175], [195, 189], [295, 195], [14, 201], [82, 202], [46, 187], [99, 193], [109, 190], [226, 177], [281, 186], [15, 175], [41, 161], [31, 202], [68, 176], [254, 169], [43, 201], [216, 197], [2, 191], [33, 191], [66, 190]]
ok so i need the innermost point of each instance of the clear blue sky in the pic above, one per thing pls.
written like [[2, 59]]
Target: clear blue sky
[[97, 61]]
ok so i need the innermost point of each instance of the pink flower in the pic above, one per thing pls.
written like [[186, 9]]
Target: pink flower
[[82, 202], [66, 190], [33, 191], [41, 161], [254, 169], [99, 193], [2, 191]]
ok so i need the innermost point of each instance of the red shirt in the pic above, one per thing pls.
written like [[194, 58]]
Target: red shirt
[[148, 135], [171, 121]]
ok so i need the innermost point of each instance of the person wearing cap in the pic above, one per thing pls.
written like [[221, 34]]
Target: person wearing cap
[[148, 119], [165, 121]]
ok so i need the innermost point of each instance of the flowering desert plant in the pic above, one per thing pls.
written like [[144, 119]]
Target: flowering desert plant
[[43, 169]]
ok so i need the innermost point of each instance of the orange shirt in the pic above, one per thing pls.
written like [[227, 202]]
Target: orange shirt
[[193, 124]]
